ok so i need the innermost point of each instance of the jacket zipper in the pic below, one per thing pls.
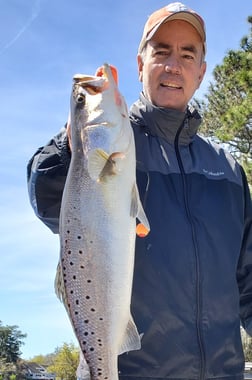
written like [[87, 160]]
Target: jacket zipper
[[197, 266]]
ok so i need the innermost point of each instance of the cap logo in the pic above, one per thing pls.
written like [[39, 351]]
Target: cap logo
[[176, 7]]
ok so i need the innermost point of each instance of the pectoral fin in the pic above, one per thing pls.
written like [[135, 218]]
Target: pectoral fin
[[101, 166]]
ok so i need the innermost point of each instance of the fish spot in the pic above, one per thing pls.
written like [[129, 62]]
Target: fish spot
[[92, 309], [82, 267], [80, 252], [87, 297], [71, 291], [77, 302], [86, 333], [69, 252], [74, 277], [91, 349], [78, 237], [76, 312], [101, 319], [68, 232], [65, 281], [91, 242], [100, 359], [88, 281], [84, 342], [92, 333], [86, 321], [71, 263]]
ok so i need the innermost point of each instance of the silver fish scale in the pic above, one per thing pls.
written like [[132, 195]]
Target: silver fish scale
[[83, 276], [80, 284]]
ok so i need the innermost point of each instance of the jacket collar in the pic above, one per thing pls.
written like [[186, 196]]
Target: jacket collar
[[164, 122]]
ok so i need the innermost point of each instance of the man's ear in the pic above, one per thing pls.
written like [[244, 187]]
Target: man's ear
[[140, 67], [202, 72]]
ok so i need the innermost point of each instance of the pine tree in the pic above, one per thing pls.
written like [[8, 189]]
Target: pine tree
[[227, 106]]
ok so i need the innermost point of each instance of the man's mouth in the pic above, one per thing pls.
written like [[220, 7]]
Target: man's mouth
[[171, 85]]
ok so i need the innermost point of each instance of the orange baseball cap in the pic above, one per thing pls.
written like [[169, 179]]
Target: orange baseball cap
[[173, 11]]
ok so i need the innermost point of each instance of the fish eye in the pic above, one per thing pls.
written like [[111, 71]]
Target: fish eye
[[80, 99]]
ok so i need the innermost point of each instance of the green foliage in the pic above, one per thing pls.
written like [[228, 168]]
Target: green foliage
[[65, 362], [227, 106], [11, 339], [6, 368], [43, 360], [247, 346]]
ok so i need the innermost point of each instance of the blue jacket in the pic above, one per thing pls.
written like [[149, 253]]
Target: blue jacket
[[193, 273]]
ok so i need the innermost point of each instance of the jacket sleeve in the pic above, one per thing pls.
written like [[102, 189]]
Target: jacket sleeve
[[46, 175], [244, 270]]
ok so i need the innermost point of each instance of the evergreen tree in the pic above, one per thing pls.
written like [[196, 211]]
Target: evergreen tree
[[11, 339], [227, 106]]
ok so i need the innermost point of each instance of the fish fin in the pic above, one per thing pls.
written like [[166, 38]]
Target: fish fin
[[132, 339], [102, 166], [82, 371], [137, 211], [59, 284], [96, 161], [113, 166]]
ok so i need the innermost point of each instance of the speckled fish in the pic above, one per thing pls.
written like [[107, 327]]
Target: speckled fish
[[98, 225]]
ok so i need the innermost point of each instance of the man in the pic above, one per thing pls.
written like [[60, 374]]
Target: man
[[193, 272]]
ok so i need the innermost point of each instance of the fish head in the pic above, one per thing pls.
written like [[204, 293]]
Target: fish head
[[100, 119]]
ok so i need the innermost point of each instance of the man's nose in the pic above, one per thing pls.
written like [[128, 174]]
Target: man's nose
[[172, 65]]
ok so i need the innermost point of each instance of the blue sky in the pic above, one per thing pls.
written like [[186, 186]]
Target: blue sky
[[43, 43]]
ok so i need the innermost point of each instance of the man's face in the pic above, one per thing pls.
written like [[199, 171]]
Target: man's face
[[171, 67]]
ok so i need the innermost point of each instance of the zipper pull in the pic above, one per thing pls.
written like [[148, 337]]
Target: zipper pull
[[186, 123]]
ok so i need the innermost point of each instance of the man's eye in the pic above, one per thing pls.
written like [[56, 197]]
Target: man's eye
[[189, 57], [161, 52]]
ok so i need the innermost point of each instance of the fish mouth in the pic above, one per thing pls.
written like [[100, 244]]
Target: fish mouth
[[98, 125], [91, 84]]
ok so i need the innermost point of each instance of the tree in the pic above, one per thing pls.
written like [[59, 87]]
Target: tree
[[65, 362], [11, 339], [44, 360], [227, 106], [6, 368]]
